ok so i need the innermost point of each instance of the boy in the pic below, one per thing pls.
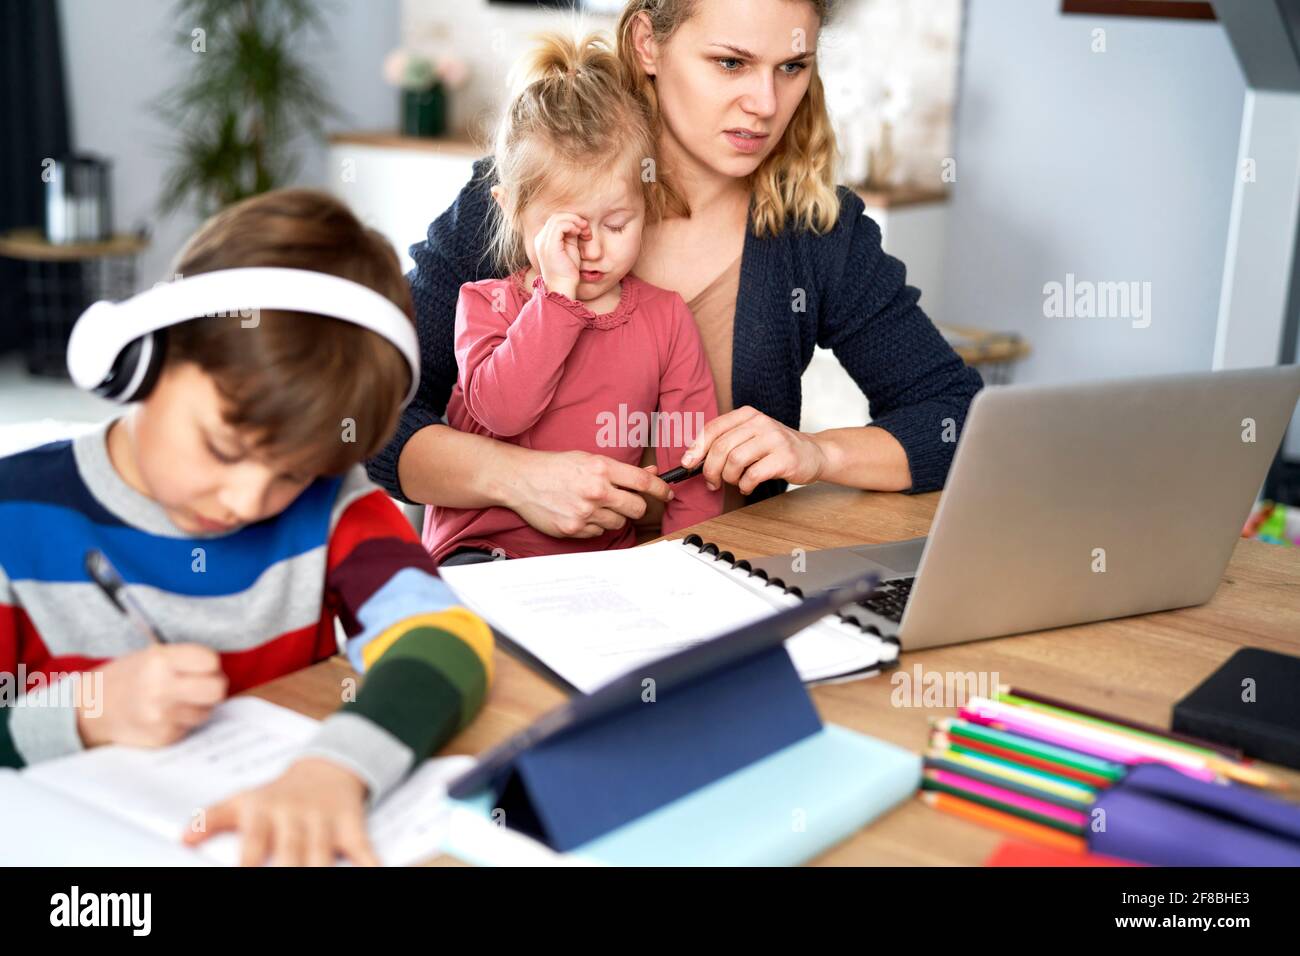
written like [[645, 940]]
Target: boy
[[232, 498]]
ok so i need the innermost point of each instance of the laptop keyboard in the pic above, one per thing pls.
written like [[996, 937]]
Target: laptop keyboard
[[889, 598]]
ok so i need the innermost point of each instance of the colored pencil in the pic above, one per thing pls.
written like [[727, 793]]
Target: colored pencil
[[1250, 775], [1014, 694], [930, 785], [1203, 765], [1079, 777], [1217, 762], [1094, 766], [1110, 745], [941, 762], [1005, 822], [1025, 723], [1029, 776], [1014, 803], [1065, 733], [1120, 729]]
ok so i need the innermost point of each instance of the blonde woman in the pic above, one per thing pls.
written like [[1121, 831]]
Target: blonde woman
[[771, 258]]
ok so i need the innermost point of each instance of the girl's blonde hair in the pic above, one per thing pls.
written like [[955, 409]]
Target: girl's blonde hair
[[797, 181], [572, 108]]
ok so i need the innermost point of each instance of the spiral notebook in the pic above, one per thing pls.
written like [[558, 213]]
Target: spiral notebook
[[586, 619]]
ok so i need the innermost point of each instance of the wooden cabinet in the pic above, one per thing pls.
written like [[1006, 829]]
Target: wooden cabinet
[[399, 184]]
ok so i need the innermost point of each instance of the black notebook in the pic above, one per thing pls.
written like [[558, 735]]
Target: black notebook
[[1251, 702]]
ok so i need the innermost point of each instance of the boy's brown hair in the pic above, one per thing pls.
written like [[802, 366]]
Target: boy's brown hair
[[292, 379]]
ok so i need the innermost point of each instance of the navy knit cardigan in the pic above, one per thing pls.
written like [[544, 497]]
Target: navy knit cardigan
[[854, 301]]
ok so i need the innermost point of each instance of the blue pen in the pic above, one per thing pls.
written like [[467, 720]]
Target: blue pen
[[110, 582]]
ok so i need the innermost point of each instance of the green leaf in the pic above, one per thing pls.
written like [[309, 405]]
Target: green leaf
[[243, 102]]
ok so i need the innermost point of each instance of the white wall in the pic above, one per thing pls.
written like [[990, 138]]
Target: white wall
[[119, 56], [490, 38], [1113, 166], [873, 51]]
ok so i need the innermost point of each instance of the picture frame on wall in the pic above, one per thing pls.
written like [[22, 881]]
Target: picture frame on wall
[[1174, 9]]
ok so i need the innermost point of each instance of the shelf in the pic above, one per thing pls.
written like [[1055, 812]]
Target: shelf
[[458, 145], [980, 346], [30, 245], [899, 197]]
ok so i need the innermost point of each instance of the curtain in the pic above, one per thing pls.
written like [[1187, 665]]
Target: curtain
[[33, 127]]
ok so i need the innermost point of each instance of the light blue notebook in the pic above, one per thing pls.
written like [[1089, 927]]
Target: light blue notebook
[[781, 810]]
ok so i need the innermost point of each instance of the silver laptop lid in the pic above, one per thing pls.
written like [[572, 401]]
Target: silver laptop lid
[[1074, 503]]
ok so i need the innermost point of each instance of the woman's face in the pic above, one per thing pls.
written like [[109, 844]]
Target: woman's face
[[729, 79]]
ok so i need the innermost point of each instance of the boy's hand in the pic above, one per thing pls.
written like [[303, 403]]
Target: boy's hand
[[314, 812], [155, 696], [557, 252]]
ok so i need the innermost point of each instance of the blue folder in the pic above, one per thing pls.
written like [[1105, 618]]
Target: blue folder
[[781, 810]]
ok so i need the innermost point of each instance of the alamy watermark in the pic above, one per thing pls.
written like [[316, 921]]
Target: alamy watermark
[[638, 429], [80, 689], [948, 689], [133, 911], [1085, 299]]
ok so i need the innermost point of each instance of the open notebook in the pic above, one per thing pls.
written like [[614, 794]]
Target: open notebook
[[589, 618], [127, 806]]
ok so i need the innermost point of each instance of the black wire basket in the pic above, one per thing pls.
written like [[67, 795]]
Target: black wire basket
[[58, 282]]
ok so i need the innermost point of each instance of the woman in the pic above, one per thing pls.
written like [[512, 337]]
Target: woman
[[772, 258]]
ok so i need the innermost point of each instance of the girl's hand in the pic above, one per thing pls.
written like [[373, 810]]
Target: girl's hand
[[313, 813], [558, 258], [745, 447], [575, 494]]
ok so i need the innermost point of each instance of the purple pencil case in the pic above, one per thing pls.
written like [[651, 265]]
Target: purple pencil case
[[1159, 816]]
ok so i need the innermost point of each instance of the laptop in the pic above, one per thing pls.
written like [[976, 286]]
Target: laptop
[[1074, 503]]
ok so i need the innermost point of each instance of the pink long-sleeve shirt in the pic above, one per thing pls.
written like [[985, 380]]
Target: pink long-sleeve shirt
[[543, 371]]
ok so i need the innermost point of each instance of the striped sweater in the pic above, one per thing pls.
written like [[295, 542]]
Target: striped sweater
[[265, 597]]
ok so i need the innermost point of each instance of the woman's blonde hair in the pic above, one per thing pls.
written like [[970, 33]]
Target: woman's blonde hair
[[797, 181], [571, 108]]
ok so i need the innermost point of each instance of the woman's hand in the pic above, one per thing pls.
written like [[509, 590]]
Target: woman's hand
[[575, 494], [314, 812], [558, 258], [744, 447]]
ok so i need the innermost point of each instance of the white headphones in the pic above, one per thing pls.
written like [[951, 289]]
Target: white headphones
[[117, 348]]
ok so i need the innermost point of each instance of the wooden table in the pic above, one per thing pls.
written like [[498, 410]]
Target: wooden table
[[1135, 667]]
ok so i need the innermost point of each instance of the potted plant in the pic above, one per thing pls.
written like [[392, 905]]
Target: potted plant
[[425, 83], [247, 96]]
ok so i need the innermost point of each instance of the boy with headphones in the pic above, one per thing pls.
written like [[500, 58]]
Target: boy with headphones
[[232, 499]]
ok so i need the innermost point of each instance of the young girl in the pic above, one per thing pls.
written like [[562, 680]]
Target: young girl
[[571, 352]]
